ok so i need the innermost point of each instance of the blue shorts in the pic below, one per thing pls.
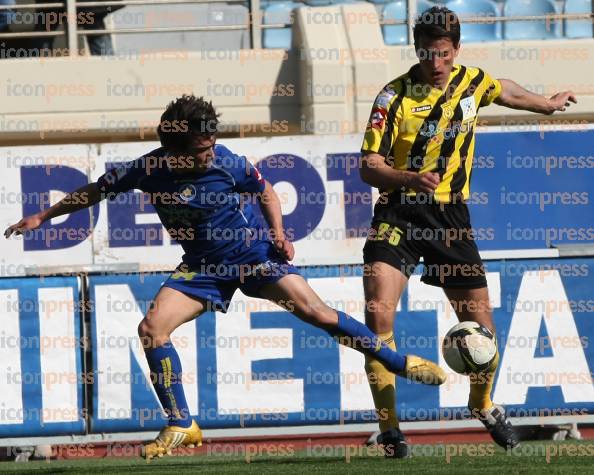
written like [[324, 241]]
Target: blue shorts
[[217, 282]]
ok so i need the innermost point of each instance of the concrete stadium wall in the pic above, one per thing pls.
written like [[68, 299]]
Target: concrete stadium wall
[[325, 84]]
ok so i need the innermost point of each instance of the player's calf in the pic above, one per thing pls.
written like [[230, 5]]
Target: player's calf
[[166, 374]]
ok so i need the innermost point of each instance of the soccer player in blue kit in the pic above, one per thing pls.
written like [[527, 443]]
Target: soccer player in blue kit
[[198, 189]]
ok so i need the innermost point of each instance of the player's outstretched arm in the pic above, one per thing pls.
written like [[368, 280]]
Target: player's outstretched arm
[[271, 209], [82, 198], [515, 96], [375, 172]]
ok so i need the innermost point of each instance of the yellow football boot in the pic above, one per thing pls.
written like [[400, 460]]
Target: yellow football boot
[[171, 437], [423, 371]]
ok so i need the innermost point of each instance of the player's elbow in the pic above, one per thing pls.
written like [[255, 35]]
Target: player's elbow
[[365, 172], [268, 195], [368, 169], [268, 187], [91, 194], [512, 95]]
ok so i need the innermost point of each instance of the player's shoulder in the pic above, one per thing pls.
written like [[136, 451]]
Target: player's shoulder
[[222, 151], [396, 86], [154, 159], [156, 153], [226, 159], [390, 92], [473, 71], [139, 167]]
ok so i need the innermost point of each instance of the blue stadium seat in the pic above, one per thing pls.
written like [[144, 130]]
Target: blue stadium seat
[[278, 13], [6, 16], [474, 32], [318, 3], [395, 34], [578, 28], [530, 29], [265, 3]]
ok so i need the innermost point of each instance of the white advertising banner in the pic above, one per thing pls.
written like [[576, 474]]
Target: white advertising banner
[[312, 176]]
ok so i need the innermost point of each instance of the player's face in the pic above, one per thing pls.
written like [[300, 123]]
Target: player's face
[[198, 155], [202, 150], [436, 60]]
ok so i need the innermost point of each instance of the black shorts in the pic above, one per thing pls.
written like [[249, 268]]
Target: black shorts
[[441, 234]]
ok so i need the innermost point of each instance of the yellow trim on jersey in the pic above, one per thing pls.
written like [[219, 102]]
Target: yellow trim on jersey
[[420, 128]]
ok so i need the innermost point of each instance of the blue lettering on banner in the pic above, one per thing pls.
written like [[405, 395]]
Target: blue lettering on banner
[[311, 198], [315, 357], [31, 383], [37, 182], [357, 194], [557, 301], [318, 369], [534, 193], [537, 189]]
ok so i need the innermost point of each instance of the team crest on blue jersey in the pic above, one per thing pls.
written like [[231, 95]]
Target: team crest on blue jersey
[[187, 192]]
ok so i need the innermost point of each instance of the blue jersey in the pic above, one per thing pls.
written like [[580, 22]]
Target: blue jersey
[[203, 211]]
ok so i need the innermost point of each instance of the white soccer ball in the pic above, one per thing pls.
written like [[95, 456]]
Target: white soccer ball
[[469, 347]]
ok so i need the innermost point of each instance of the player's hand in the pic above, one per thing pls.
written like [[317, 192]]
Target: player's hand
[[25, 224], [285, 248], [425, 182], [561, 101]]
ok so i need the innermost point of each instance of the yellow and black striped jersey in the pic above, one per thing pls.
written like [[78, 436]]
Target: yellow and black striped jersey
[[420, 128]]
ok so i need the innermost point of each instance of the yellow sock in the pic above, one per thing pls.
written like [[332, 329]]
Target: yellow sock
[[481, 386], [383, 387]]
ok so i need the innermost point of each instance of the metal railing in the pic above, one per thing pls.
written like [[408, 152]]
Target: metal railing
[[503, 19], [254, 24]]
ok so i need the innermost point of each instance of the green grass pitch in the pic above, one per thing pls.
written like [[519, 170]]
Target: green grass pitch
[[530, 458]]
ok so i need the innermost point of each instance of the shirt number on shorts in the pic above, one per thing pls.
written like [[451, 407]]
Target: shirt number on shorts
[[385, 231]]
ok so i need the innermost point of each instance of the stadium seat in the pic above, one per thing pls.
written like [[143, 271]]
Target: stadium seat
[[578, 28], [6, 16], [475, 32], [395, 34], [318, 3], [278, 13], [530, 29], [181, 15]]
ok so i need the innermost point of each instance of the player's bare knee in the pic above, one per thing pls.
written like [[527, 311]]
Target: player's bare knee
[[324, 317], [379, 321], [150, 335]]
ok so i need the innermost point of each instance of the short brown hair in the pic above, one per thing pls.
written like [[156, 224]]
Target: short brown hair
[[435, 23], [185, 119]]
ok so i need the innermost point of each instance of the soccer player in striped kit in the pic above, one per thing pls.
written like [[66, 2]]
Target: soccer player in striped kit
[[418, 150]]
